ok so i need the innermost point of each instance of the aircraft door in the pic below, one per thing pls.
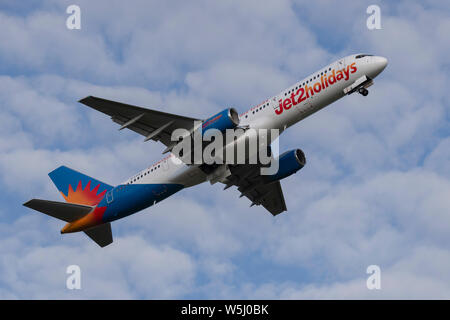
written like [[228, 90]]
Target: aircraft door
[[110, 196], [342, 63]]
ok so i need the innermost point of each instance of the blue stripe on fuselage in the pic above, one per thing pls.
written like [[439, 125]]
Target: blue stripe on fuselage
[[127, 199]]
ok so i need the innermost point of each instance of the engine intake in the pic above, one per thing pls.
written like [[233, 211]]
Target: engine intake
[[288, 163]]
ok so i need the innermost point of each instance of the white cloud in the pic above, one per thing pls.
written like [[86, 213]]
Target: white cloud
[[438, 159], [374, 191], [37, 270]]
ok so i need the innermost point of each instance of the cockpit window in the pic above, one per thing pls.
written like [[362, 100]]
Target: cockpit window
[[363, 55]]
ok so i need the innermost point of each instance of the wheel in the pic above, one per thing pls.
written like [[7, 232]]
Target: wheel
[[363, 91]]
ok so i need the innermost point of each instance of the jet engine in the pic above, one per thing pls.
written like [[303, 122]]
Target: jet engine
[[226, 119], [288, 163]]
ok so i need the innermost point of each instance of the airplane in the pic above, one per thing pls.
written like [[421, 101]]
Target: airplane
[[91, 205]]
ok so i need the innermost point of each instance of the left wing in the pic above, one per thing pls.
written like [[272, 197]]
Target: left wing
[[152, 124], [250, 183]]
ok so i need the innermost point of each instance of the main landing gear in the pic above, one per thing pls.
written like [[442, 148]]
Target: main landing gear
[[363, 91]]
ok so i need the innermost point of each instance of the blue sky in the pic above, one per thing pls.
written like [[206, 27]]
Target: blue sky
[[375, 189]]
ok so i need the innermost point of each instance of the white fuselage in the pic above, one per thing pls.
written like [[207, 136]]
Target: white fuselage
[[281, 111]]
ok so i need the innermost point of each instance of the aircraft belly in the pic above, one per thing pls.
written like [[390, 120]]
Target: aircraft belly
[[187, 175], [129, 199]]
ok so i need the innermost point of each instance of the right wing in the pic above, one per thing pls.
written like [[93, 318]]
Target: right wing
[[249, 182], [152, 124]]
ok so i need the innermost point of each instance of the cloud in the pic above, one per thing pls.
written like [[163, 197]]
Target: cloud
[[437, 160], [28, 265], [374, 190]]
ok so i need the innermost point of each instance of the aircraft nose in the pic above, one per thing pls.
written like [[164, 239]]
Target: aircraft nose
[[380, 63]]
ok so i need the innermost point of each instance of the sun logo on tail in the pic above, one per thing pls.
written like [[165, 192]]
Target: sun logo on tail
[[84, 196]]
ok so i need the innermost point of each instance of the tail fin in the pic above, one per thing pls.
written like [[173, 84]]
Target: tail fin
[[83, 194], [78, 188]]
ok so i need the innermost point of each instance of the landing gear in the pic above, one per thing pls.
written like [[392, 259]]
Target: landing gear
[[363, 91]]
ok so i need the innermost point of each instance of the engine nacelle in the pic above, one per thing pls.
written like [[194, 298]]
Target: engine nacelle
[[288, 163], [226, 119]]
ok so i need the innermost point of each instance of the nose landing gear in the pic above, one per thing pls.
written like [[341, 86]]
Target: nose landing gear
[[363, 91]]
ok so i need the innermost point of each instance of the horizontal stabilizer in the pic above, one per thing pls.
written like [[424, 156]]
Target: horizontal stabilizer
[[68, 212], [101, 234]]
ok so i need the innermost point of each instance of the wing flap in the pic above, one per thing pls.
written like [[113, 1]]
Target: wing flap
[[248, 180], [273, 199], [270, 196]]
